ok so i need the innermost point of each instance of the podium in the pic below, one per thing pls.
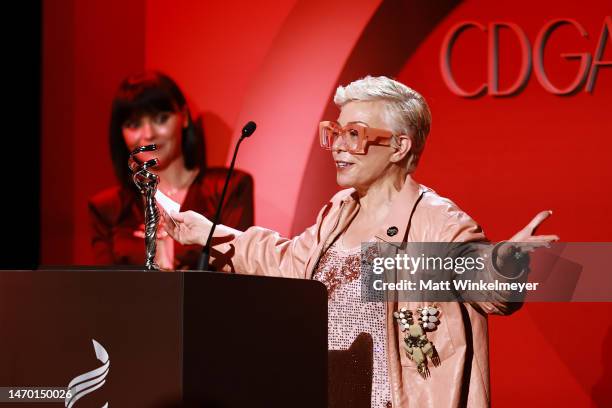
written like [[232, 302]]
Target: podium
[[182, 339]]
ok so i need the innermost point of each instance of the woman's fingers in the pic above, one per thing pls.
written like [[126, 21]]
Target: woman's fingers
[[531, 246], [166, 218], [178, 216], [184, 227], [545, 238], [537, 220], [172, 223]]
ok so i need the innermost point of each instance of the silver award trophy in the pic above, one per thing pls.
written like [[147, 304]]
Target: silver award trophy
[[147, 185]]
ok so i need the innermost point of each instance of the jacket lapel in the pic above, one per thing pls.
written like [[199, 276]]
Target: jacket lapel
[[347, 209]]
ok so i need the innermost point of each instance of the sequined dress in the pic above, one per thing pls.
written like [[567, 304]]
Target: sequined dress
[[348, 315]]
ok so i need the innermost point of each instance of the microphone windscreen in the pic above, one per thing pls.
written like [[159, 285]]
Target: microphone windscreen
[[248, 129]]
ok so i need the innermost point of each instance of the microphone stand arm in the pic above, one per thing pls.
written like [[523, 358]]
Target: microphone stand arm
[[204, 261]]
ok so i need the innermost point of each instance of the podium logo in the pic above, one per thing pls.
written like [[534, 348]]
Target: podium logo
[[89, 382]]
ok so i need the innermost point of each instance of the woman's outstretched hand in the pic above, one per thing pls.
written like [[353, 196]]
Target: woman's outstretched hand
[[526, 238], [187, 227], [510, 254]]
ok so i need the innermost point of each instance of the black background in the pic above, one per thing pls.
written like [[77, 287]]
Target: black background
[[20, 157]]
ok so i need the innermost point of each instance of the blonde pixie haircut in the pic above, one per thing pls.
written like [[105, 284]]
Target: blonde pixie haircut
[[406, 110]]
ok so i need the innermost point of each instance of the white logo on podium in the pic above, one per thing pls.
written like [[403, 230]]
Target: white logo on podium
[[90, 381]]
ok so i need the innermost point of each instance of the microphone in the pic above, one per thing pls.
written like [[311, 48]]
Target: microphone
[[248, 129], [203, 262]]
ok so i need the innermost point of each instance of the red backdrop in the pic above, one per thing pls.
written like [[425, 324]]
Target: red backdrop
[[502, 159]]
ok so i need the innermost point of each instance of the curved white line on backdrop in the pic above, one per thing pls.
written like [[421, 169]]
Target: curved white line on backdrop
[[287, 97], [89, 382]]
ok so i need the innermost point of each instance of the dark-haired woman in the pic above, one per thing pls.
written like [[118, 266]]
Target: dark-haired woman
[[150, 108]]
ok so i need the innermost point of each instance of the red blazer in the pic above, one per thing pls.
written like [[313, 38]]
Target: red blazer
[[117, 217]]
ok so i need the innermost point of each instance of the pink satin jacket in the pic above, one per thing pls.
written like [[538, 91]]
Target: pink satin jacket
[[419, 215]]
